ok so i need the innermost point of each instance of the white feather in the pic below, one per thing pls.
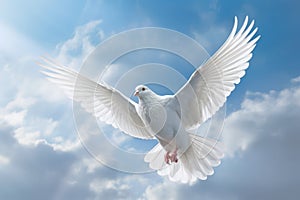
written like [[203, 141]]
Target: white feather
[[213, 82], [106, 103]]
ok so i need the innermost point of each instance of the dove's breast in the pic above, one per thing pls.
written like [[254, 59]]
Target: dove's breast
[[154, 116], [162, 121]]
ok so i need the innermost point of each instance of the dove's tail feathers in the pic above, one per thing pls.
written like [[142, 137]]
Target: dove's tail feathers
[[155, 157], [196, 162]]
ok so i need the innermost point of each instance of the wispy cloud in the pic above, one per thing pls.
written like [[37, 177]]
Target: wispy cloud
[[296, 80], [4, 160], [75, 50]]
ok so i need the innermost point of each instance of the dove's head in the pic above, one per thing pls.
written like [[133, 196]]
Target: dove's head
[[141, 91]]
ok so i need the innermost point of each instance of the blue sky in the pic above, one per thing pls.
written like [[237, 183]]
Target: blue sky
[[40, 154]]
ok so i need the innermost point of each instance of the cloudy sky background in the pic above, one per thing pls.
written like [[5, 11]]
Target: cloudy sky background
[[40, 154]]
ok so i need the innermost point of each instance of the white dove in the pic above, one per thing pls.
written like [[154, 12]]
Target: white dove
[[179, 154]]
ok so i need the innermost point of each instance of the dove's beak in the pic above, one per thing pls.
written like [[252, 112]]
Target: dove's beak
[[136, 93]]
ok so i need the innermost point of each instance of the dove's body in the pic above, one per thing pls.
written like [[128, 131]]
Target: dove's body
[[162, 120], [167, 118]]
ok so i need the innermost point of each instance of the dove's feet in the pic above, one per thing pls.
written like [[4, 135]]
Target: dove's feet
[[171, 157]]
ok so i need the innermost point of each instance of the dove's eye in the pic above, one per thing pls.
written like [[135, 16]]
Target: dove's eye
[[143, 89]]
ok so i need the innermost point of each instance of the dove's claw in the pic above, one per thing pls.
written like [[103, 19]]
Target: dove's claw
[[172, 157]]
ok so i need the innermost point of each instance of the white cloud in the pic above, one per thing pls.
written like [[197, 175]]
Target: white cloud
[[296, 80], [75, 50], [20, 102], [261, 114], [164, 190], [98, 186], [14, 118], [123, 187], [25, 137], [29, 129], [91, 165], [66, 145], [29, 98]]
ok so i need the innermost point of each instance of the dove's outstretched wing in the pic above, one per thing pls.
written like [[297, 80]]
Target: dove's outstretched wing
[[107, 104], [209, 86]]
